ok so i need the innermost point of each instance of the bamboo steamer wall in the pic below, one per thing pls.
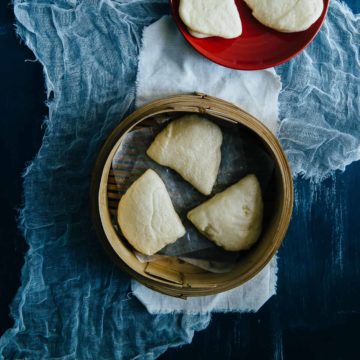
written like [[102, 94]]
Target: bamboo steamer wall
[[170, 275]]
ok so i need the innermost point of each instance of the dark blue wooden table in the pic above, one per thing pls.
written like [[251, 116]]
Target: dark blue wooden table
[[316, 313]]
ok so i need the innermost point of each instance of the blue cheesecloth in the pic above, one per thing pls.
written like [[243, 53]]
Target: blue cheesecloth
[[74, 303], [320, 98]]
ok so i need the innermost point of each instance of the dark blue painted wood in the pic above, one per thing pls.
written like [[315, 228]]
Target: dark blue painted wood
[[22, 111], [316, 314]]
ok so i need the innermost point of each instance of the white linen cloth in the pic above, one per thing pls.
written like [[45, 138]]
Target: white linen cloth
[[249, 297], [169, 66]]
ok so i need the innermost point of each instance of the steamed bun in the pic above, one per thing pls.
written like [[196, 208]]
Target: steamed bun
[[146, 215], [191, 145], [232, 218]]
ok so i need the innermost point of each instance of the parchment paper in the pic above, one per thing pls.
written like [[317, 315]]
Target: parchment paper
[[242, 154]]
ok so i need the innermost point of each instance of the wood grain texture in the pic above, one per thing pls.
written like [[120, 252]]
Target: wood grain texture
[[308, 318], [316, 312]]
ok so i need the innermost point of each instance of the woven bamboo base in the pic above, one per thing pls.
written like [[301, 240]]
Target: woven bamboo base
[[170, 275]]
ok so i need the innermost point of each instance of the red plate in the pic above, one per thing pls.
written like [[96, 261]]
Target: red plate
[[258, 47]]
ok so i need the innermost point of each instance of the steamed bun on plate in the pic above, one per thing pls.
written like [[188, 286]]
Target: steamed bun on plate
[[232, 218], [205, 18], [190, 145], [286, 15], [146, 215]]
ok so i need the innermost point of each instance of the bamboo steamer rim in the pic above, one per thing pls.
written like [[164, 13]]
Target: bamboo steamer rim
[[190, 103]]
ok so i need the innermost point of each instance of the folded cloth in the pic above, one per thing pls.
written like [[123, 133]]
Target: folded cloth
[[169, 66]]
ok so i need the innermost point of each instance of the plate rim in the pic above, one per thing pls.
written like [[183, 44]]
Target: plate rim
[[254, 67]]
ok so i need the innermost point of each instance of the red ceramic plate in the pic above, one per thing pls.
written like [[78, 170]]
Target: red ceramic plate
[[258, 47]]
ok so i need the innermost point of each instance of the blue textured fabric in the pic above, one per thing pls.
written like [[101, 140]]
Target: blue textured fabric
[[73, 303], [319, 103]]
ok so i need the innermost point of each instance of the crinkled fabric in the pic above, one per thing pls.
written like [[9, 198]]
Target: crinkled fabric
[[320, 100], [73, 303]]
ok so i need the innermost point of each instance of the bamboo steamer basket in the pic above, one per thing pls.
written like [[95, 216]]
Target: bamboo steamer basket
[[169, 275]]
